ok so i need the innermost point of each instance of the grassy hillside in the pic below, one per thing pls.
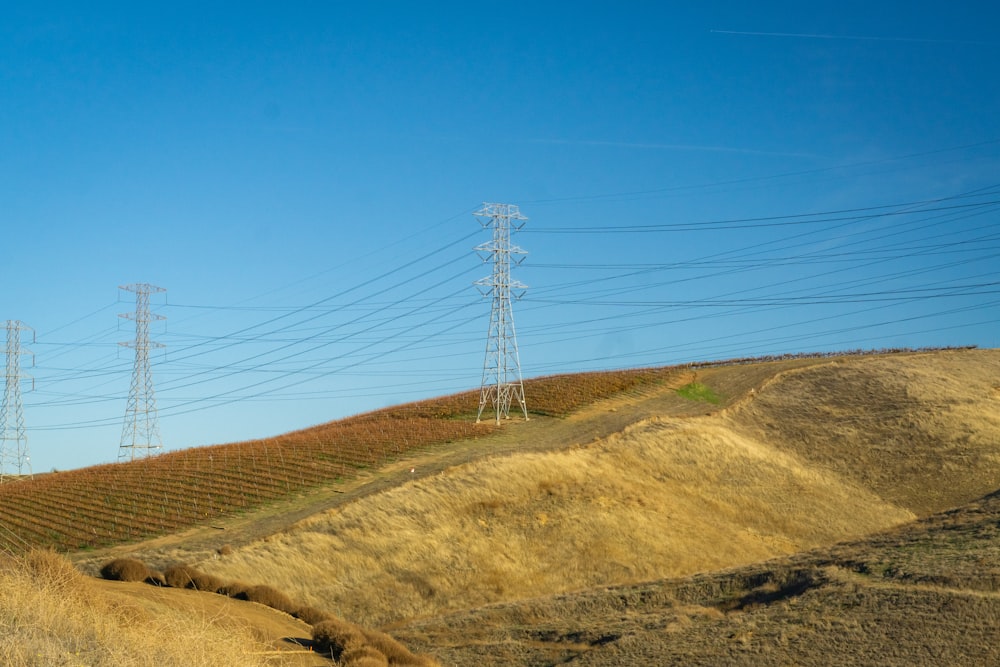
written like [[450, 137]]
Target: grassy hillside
[[764, 473], [659, 500], [919, 431], [927, 593], [53, 615], [125, 502], [713, 514]]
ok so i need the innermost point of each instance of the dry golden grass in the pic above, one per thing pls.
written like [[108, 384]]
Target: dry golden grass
[[337, 639], [821, 453], [53, 615], [662, 499], [919, 430], [927, 593]]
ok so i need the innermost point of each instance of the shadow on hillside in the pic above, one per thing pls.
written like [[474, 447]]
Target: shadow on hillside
[[770, 587]]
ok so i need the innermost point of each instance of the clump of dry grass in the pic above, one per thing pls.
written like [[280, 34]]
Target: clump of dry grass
[[131, 569], [234, 589], [206, 582], [354, 645], [180, 576], [185, 576], [335, 637], [311, 615], [53, 615], [270, 597], [394, 652]]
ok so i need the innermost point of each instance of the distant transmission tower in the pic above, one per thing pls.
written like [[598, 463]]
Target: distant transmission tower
[[502, 382], [141, 432], [14, 458]]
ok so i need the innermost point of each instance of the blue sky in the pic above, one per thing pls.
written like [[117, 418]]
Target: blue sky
[[702, 181]]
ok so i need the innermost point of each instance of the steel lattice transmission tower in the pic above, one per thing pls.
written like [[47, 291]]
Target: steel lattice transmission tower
[[502, 383], [141, 432], [14, 458]]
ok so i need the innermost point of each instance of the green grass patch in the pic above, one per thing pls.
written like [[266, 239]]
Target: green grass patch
[[696, 391]]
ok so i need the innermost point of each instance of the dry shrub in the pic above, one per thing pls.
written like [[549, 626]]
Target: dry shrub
[[206, 582], [364, 656], [271, 597], [180, 576], [224, 550], [235, 589], [336, 637], [126, 569], [396, 653], [48, 568], [311, 615]]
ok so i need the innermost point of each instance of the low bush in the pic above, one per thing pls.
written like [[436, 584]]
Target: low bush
[[271, 597], [180, 576], [395, 653], [336, 637], [234, 589], [206, 582], [311, 615], [126, 569]]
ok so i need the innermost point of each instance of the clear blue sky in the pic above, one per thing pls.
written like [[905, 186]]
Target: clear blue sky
[[702, 181]]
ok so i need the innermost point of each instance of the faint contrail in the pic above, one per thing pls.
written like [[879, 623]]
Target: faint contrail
[[668, 147], [805, 35]]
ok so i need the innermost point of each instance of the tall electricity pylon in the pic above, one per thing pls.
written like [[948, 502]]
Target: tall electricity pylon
[[502, 382], [141, 432], [14, 458]]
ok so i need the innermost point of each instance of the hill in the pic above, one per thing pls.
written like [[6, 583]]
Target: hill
[[124, 502], [635, 510], [762, 474], [927, 593]]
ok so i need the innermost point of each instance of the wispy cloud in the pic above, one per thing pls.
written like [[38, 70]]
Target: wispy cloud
[[805, 35], [670, 147]]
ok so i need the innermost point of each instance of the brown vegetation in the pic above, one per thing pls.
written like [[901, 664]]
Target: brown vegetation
[[179, 576], [334, 637], [665, 488], [311, 615], [666, 497], [129, 569], [114, 503], [353, 645], [53, 615], [359, 646], [925, 593], [270, 597]]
